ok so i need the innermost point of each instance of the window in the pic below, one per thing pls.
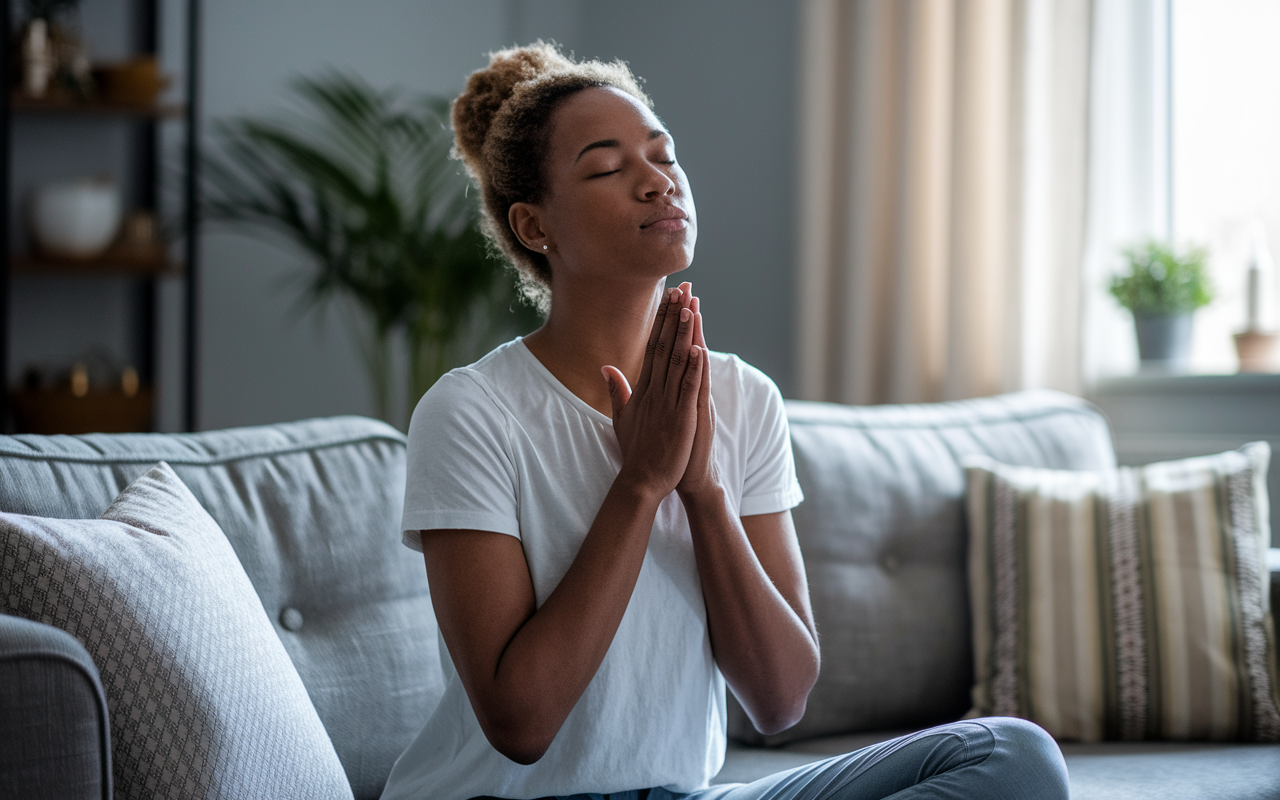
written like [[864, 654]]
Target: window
[[1225, 133]]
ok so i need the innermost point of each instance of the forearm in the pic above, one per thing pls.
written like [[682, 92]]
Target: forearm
[[551, 659], [764, 646]]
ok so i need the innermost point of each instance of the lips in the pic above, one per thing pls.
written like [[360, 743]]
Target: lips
[[668, 218]]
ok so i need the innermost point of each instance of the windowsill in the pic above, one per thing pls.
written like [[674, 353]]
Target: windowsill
[[1157, 383], [1161, 417]]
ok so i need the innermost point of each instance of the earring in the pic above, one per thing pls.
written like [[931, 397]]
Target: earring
[[544, 247]]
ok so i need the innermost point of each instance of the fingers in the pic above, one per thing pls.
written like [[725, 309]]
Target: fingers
[[695, 305], [646, 369], [704, 391], [663, 348], [691, 384], [698, 338], [680, 352], [619, 389]]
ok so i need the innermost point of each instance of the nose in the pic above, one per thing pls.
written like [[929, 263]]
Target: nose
[[655, 183]]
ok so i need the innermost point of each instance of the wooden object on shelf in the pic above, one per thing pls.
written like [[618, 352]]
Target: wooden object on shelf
[[50, 411], [20, 103], [135, 80], [144, 262]]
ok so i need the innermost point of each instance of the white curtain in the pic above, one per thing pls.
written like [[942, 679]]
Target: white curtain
[[1129, 167], [941, 197]]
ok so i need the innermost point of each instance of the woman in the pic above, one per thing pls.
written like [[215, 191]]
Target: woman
[[604, 506]]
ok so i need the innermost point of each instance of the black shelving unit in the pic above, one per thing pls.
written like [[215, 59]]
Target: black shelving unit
[[146, 270]]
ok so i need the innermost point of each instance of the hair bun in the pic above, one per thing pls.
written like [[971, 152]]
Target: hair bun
[[487, 89]]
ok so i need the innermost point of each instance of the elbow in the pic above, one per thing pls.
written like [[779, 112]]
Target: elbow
[[784, 708], [780, 718], [518, 740], [523, 753]]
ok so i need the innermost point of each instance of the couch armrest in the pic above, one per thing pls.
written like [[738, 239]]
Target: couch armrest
[[1273, 564], [54, 735]]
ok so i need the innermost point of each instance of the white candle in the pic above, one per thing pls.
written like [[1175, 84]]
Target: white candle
[[1253, 296]]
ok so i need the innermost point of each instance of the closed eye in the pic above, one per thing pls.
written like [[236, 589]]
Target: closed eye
[[602, 174]]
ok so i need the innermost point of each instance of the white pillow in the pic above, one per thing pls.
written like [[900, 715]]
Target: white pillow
[[203, 700]]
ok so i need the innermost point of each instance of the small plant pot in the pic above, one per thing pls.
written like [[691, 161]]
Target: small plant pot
[[1257, 351], [1164, 342]]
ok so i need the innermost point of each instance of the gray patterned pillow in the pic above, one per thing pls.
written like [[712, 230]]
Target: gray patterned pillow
[[203, 700]]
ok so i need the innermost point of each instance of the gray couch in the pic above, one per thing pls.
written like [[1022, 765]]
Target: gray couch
[[312, 509]]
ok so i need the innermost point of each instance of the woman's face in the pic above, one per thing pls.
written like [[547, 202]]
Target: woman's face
[[618, 206]]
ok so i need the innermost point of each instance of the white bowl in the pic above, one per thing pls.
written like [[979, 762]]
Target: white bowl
[[77, 218]]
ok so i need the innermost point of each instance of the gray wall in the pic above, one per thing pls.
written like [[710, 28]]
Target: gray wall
[[261, 362], [720, 74]]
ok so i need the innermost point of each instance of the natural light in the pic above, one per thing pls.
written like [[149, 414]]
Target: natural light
[[1226, 158]]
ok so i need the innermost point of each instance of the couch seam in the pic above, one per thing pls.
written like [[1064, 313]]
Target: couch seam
[[880, 425], [106, 459]]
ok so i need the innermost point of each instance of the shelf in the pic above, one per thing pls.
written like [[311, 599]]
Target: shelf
[[51, 411], [21, 103], [147, 263], [143, 156]]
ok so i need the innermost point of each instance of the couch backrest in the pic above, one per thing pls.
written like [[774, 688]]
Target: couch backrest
[[312, 509], [883, 533]]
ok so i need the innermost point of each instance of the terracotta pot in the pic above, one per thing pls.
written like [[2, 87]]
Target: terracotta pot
[[1257, 351]]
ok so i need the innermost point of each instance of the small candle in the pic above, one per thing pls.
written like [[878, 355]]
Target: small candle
[[1253, 295]]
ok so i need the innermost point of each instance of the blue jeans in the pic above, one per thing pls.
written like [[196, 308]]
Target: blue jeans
[[997, 758]]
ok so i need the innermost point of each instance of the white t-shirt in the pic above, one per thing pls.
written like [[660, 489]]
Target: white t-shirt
[[503, 446]]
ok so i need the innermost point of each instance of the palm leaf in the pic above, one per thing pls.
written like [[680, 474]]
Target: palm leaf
[[363, 183]]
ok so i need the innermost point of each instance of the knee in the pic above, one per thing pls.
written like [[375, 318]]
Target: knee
[[1033, 751], [1023, 739]]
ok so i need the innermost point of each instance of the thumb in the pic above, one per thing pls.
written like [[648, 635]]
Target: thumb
[[619, 388]]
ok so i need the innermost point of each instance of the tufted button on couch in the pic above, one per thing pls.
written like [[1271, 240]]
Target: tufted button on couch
[[312, 510]]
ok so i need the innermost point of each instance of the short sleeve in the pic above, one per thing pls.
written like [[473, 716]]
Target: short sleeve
[[460, 473], [769, 484]]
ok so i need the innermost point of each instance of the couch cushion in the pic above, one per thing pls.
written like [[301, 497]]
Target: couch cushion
[[203, 700], [312, 509], [1126, 604], [1110, 771], [883, 534]]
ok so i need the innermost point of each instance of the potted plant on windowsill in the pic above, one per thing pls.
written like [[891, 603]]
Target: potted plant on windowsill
[[1163, 288]]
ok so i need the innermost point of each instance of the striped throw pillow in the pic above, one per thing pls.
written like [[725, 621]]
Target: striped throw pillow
[[1127, 604]]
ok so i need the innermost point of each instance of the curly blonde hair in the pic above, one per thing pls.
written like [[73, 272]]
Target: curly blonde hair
[[501, 132]]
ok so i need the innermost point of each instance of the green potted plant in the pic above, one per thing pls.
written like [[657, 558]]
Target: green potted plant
[[362, 182], [1162, 288]]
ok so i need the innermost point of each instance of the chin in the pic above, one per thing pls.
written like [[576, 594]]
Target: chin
[[679, 264], [679, 258]]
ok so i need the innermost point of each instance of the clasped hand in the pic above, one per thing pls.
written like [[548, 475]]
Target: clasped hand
[[666, 424]]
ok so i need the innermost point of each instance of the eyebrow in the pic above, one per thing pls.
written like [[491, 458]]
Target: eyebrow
[[655, 133]]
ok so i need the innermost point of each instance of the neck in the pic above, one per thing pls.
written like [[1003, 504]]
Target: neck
[[593, 326]]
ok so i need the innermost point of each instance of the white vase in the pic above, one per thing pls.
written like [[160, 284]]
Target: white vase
[[76, 219]]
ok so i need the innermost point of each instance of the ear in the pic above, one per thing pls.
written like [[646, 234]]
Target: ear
[[526, 220]]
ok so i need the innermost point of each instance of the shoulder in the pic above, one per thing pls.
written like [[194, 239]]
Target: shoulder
[[730, 374], [467, 395]]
